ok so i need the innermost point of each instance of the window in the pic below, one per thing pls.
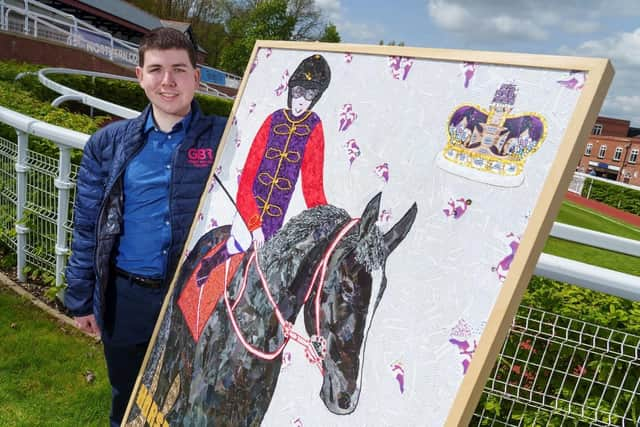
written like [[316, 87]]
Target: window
[[587, 152], [597, 129], [618, 154], [602, 152], [633, 157]]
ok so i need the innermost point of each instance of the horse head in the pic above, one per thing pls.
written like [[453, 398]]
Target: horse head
[[339, 311]]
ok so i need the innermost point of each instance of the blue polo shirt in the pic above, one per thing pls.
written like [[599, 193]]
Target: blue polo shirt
[[146, 235]]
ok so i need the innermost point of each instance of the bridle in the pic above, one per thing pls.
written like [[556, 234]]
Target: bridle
[[315, 347]]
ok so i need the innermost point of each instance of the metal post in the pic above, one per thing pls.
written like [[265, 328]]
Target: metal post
[[590, 186], [64, 185], [21, 191], [26, 17]]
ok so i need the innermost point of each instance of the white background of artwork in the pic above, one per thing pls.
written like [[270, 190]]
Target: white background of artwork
[[440, 277]]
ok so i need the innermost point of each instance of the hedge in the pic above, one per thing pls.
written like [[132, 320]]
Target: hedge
[[22, 101], [622, 198]]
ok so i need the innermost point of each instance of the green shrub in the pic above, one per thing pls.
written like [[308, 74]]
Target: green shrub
[[215, 106], [584, 304], [23, 101], [29, 81], [131, 95], [10, 69], [622, 198]]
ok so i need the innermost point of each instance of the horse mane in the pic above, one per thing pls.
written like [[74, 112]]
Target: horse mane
[[371, 251], [304, 231], [311, 226]]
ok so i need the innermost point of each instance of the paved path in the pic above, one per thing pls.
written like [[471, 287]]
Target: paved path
[[627, 217]]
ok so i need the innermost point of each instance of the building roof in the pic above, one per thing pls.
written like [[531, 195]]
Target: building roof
[[612, 120], [633, 132], [178, 25], [126, 11]]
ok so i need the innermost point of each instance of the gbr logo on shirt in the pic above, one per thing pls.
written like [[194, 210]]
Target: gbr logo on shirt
[[200, 157]]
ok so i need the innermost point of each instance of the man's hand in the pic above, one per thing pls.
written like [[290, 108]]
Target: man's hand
[[258, 238], [88, 324]]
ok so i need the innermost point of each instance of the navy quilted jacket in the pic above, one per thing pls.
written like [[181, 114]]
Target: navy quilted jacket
[[99, 201]]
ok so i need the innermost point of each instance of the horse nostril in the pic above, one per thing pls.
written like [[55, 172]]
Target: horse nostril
[[344, 400]]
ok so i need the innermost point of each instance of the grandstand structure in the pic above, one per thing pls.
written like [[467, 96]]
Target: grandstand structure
[[100, 28]]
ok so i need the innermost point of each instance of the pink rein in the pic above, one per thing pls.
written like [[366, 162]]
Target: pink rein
[[315, 348]]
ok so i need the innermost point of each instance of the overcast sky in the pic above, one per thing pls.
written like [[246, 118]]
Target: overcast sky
[[599, 28]]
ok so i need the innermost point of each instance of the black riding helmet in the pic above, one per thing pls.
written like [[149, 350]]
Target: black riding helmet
[[313, 74]]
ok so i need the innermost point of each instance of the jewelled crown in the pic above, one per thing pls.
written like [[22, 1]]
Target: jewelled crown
[[492, 146]]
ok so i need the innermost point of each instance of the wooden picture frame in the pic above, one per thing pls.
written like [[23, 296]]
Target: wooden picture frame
[[472, 152]]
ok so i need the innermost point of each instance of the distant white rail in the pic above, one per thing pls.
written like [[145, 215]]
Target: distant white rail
[[596, 239], [579, 178], [589, 276], [70, 94], [82, 97]]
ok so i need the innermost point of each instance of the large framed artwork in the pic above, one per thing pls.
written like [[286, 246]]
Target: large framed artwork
[[370, 224]]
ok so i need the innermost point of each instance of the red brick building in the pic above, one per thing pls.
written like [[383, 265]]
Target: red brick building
[[612, 151]]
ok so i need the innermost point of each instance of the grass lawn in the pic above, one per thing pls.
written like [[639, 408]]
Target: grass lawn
[[43, 365], [582, 217], [594, 256]]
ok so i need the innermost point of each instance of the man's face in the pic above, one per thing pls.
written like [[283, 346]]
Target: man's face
[[169, 81]]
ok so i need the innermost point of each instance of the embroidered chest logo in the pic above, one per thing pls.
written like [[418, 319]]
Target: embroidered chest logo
[[200, 157]]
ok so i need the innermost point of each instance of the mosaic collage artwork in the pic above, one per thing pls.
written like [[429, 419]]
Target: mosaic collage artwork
[[367, 212]]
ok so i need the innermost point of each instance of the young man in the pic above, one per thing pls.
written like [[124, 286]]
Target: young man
[[137, 192]]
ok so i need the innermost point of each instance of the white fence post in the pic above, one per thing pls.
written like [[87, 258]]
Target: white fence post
[[64, 185], [26, 18], [21, 195]]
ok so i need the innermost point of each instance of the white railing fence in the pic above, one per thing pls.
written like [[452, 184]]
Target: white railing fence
[[557, 371], [38, 20], [69, 94], [580, 180], [39, 193]]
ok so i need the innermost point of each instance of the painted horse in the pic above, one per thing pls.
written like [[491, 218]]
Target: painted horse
[[219, 366]]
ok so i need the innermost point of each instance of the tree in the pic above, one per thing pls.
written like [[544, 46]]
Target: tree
[[330, 34], [228, 29], [268, 20], [391, 43], [308, 19]]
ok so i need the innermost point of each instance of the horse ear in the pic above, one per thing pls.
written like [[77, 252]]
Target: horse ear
[[399, 231], [370, 215]]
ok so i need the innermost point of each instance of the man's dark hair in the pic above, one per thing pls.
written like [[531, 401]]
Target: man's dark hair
[[165, 38]]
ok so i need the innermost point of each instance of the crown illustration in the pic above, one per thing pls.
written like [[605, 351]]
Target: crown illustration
[[492, 146]]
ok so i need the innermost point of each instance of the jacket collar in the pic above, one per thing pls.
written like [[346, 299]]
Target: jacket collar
[[183, 123], [196, 127]]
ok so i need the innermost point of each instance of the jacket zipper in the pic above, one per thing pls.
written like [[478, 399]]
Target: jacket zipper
[[107, 196], [171, 190]]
